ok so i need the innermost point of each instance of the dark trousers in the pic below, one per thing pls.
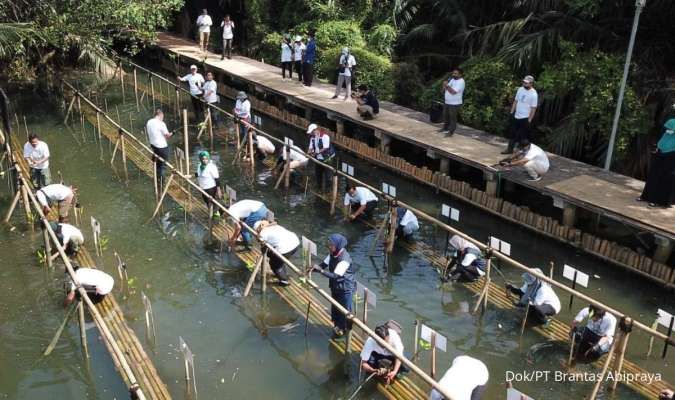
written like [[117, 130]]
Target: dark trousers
[[287, 66], [368, 212], [307, 73], [585, 339], [345, 300], [450, 113], [197, 108], [520, 129], [278, 266], [164, 153], [212, 192], [227, 48], [539, 314], [298, 69], [377, 360]]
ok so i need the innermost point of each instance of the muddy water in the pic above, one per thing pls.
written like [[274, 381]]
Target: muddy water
[[256, 347]]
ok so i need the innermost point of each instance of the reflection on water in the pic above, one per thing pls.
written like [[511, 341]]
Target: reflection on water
[[256, 347]]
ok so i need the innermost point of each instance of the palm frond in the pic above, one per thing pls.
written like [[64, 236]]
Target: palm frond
[[17, 38]]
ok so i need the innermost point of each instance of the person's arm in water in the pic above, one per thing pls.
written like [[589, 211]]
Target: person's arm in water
[[359, 211], [70, 297], [392, 374], [515, 290]]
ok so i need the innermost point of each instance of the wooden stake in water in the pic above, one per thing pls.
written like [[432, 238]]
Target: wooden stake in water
[[250, 150], [68, 111], [433, 354], [187, 143], [48, 247], [15, 201], [152, 91], [251, 278], [122, 83], [138, 107], [161, 199], [334, 194], [83, 331], [309, 309], [626, 328], [392, 228]]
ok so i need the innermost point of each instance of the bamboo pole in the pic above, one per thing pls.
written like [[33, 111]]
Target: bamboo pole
[[152, 91], [68, 111], [124, 156], [618, 363], [251, 278], [48, 248], [309, 309], [263, 272], [122, 82], [334, 195], [15, 201], [186, 140], [433, 355], [83, 331], [524, 322], [210, 127], [161, 199], [251, 154], [138, 107], [603, 374], [26, 205], [392, 228]]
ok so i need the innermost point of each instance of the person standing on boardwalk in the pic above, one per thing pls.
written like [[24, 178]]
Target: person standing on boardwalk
[[242, 110], [56, 193], [211, 97], [204, 23], [228, 36], [36, 153], [659, 188], [298, 56], [208, 178], [286, 57], [195, 80], [157, 133], [523, 109], [453, 91], [337, 267], [345, 65], [283, 241], [308, 60]]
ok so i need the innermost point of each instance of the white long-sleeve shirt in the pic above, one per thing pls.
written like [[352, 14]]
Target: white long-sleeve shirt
[[195, 81], [204, 23], [603, 327]]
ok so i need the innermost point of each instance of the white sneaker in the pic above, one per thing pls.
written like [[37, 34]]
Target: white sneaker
[[537, 179]]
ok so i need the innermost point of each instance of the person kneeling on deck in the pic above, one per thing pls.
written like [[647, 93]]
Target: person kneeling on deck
[[248, 212], [69, 237], [465, 380], [208, 179], [361, 202], [264, 146], [298, 159], [337, 267], [283, 241], [531, 157], [322, 149], [96, 282], [596, 338], [377, 360], [406, 223], [467, 263], [56, 193], [368, 106], [544, 303]]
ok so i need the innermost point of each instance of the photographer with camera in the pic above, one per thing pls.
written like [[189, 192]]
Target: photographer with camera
[[344, 70]]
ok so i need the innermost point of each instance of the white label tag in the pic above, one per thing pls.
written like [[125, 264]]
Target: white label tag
[[231, 193], [308, 245], [350, 170], [513, 394], [664, 318], [445, 210], [500, 245], [187, 353], [441, 341], [95, 226], [454, 214], [581, 279]]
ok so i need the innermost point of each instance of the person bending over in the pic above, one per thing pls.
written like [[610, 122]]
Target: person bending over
[[248, 212], [376, 359], [57, 193], [283, 241], [466, 261], [359, 202], [544, 303], [595, 339], [96, 282], [406, 223], [69, 236], [466, 379]]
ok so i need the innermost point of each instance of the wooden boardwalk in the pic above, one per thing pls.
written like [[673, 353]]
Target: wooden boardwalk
[[604, 192], [144, 370]]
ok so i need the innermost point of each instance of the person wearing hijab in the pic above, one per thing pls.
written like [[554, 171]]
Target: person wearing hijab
[[544, 303], [280, 239], [337, 267], [208, 177], [660, 185], [467, 263]]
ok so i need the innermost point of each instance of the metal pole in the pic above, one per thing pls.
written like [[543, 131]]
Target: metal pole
[[639, 4]]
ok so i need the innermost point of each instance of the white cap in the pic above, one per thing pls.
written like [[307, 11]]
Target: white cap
[[298, 38], [468, 259], [193, 66], [528, 79], [311, 128]]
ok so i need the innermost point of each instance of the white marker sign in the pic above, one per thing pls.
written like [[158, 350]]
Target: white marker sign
[[513, 394], [308, 245], [389, 189], [581, 278], [441, 341], [665, 318], [347, 169], [361, 291], [95, 226], [500, 245], [231, 193]]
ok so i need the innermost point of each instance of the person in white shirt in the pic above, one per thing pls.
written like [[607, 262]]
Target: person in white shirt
[[228, 36], [157, 133], [283, 241], [204, 23], [453, 93], [406, 223], [321, 148], [208, 178], [523, 109], [286, 57], [298, 55], [242, 110], [264, 147], [464, 380], [345, 65], [248, 212], [56, 193], [36, 153], [211, 97], [195, 80], [298, 159], [532, 158], [359, 202], [69, 237], [96, 283], [544, 303], [596, 338], [467, 263], [375, 359]]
